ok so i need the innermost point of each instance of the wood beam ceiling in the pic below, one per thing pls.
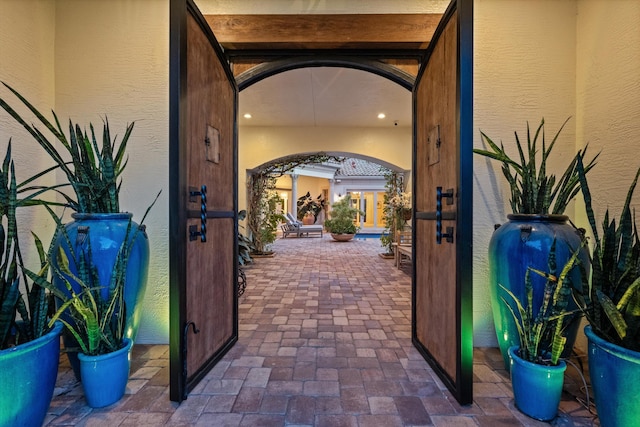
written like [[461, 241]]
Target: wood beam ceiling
[[399, 32]]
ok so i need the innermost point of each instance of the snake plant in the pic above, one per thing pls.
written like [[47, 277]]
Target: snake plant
[[21, 319], [542, 333], [98, 322], [611, 302], [93, 171], [533, 189]]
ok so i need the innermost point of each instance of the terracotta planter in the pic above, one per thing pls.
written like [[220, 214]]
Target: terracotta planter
[[308, 219], [342, 237]]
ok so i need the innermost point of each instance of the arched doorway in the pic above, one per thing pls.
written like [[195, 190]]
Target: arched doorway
[[442, 143]]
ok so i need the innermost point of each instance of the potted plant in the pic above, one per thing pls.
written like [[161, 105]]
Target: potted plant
[[94, 313], [537, 371], [29, 347], [341, 220], [94, 172], [538, 201], [611, 304], [309, 208]]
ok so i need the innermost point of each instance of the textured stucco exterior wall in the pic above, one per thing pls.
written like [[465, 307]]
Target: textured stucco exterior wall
[[608, 102], [26, 64], [608, 97], [257, 145], [524, 69], [112, 60]]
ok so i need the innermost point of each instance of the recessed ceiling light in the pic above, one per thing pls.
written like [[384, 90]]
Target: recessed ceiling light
[[382, 116], [247, 116]]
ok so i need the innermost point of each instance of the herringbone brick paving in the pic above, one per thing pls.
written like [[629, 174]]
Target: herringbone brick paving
[[325, 340]]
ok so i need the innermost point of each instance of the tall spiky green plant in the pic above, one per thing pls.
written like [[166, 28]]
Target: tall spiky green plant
[[20, 320], [611, 302], [533, 189], [542, 333], [98, 322], [93, 171]]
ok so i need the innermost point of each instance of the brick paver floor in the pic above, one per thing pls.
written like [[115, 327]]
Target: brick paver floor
[[325, 340]]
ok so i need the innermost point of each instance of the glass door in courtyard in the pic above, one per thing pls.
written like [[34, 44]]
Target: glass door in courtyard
[[370, 203]]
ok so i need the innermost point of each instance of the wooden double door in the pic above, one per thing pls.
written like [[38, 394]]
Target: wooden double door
[[203, 200]]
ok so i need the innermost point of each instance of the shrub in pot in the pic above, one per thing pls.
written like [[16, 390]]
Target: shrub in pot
[[611, 304], [341, 220], [537, 370], [538, 201]]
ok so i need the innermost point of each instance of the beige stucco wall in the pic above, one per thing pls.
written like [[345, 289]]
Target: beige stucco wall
[[608, 101], [112, 59], [608, 96], [27, 64], [524, 70], [87, 61], [532, 59]]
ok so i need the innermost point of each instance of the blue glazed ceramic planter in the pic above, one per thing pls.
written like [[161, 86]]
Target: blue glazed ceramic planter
[[28, 373], [525, 241], [107, 232], [615, 378], [537, 389], [104, 377]]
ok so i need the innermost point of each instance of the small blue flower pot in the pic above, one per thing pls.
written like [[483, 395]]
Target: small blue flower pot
[[537, 389], [104, 377]]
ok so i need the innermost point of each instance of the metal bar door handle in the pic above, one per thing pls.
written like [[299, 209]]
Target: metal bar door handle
[[193, 229], [439, 234]]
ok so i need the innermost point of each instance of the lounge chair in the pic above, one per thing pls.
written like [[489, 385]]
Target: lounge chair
[[293, 226]]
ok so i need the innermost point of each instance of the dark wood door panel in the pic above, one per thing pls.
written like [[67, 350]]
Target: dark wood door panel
[[442, 193], [203, 207]]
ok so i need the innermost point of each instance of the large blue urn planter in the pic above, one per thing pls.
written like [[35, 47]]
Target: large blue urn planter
[[525, 241], [537, 389], [28, 376], [106, 234], [104, 377], [615, 378]]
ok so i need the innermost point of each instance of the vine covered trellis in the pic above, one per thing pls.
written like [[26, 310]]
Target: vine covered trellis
[[394, 188], [261, 219]]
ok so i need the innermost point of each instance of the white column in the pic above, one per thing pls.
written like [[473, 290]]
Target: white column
[[328, 202], [294, 195]]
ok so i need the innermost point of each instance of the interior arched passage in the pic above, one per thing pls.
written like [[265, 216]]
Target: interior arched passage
[[389, 145], [301, 177]]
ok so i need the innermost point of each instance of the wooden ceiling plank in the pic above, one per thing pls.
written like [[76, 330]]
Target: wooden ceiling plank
[[400, 31]]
